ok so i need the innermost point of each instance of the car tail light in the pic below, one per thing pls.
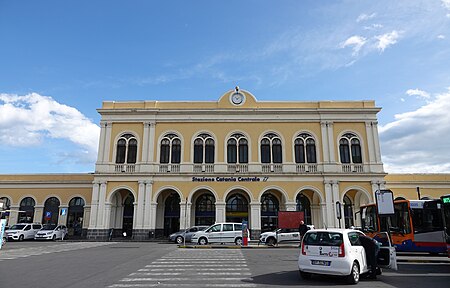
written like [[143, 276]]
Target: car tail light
[[341, 250], [303, 248]]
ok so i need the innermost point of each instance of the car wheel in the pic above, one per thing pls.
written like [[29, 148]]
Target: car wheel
[[21, 238], [271, 241], [238, 241], [202, 241], [305, 275], [353, 278], [54, 237], [179, 240]]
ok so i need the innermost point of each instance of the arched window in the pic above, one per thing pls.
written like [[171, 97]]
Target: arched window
[[204, 149], [126, 149], [237, 142], [236, 208], [348, 212], [51, 211], [170, 149], [304, 205], [27, 206], [350, 142], [301, 149], [271, 149], [205, 210], [237, 203], [269, 212]]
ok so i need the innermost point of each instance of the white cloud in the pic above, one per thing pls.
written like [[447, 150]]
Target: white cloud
[[441, 36], [446, 4], [28, 120], [365, 17], [373, 27], [387, 40], [418, 141], [418, 93], [356, 41]]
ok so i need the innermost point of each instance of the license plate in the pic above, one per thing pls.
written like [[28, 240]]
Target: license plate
[[321, 262]]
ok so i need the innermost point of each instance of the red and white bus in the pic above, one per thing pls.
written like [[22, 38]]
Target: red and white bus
[[416, 226]]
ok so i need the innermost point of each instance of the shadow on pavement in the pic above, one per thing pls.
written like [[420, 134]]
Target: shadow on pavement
[[292, 278]]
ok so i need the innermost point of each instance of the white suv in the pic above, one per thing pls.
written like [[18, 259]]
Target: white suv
[[219, 233], [22, 231]]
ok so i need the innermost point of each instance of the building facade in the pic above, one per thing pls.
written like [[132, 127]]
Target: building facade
[[164, 166]]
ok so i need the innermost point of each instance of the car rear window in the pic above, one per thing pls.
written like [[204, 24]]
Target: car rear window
[[323, 239]]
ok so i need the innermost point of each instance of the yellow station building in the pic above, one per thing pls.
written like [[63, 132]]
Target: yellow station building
[[163, 166]]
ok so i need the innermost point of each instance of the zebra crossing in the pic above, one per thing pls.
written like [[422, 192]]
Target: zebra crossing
[[40, 250], [193, 268]]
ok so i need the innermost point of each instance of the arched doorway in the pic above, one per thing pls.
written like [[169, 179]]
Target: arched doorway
[[348, 212], [304, 205], [172, 214], [270, 206], [237, 208], [128, 213], [205, 209], [75, 216], [122, 213], [51, 211], [27, 206]]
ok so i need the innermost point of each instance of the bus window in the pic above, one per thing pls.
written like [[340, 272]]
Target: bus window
[[427, 219]]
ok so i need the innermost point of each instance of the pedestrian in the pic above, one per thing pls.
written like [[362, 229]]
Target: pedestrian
[[302, 229], [371, 247]]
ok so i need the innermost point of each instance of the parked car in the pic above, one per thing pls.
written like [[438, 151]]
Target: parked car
[[179, 237], [51, 232], [219, 233], [281, 235], [339, 252], [22, 231]]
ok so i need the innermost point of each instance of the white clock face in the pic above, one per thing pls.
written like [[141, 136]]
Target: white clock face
[[237, 98]]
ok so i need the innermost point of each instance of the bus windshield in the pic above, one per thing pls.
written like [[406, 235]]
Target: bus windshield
[[369, 218]]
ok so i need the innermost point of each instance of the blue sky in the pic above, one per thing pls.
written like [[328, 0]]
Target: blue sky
[[60, 59]]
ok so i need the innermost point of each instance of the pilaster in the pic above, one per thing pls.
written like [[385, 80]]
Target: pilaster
[[148, 204], [220, 212], [139, 220]]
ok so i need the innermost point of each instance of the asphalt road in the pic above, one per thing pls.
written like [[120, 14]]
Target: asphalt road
[[144, 264]]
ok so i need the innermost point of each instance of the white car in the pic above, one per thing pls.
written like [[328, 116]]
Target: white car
[[219, 233], [339, 252], [22, 231], [51, 232], [281, 235]]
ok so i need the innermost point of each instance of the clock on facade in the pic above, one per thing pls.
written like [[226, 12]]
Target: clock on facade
[[237, 98]]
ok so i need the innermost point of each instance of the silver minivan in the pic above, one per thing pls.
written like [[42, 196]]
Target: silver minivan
[[219, 233]]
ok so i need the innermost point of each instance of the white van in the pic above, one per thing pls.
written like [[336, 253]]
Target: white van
[[219, 233], [21, 231]]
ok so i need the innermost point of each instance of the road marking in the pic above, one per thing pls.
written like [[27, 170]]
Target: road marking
[[231, 285], [416, 275], [209, 279], [187, 268], [40, 250]]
